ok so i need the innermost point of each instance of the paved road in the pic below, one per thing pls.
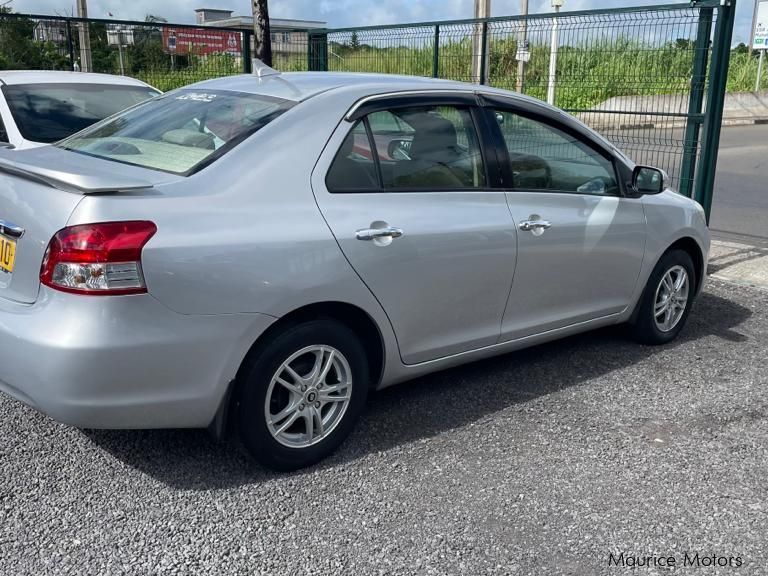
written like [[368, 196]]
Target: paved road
[[539, 462], [741, 188]]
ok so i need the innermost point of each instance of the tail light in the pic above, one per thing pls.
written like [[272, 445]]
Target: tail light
[[99, 259]]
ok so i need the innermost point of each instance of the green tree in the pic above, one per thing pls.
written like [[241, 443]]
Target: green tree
[[354, 42]]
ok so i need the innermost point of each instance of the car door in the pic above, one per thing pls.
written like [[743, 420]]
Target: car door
[[581, 241], [403, 185]]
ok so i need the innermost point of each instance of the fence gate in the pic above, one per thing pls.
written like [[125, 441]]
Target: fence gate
[[651, 79]]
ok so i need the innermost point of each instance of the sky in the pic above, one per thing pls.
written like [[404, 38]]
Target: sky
[[342, 13]]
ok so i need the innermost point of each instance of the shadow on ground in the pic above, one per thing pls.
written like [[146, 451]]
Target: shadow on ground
[[190, 459]]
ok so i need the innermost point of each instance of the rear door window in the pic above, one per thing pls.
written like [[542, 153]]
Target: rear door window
[[433, 148]]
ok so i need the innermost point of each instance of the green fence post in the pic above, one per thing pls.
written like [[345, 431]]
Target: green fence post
[[318, 52], [484, 54], [721, 52], [436, 53], [695, 102], [246, 52]]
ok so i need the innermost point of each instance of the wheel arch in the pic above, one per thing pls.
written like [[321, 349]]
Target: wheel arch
[[354, 317], [689, 245]]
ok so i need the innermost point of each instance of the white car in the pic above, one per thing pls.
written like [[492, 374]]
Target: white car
[[45, 106]]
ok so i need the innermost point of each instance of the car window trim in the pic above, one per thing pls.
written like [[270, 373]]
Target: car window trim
[[411, 99], [374, 152], [525, 112]]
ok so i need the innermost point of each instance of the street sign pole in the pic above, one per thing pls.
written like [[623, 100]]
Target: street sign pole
[[759, 39]]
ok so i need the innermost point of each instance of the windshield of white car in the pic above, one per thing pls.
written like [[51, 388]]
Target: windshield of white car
[[49, 112], [179, 132]]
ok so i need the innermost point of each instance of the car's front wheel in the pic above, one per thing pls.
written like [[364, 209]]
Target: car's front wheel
[[302, 394], [667, 299]]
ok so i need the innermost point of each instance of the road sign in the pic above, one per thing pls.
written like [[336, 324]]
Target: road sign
[[760, 41]]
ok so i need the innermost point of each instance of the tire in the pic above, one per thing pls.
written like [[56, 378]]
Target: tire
[[648, 328], [296, 400]]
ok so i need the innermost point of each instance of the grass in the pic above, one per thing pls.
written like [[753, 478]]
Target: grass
[[586, 76]]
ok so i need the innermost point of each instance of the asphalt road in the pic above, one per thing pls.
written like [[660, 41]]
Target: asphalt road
[[740, 203], [540, 462]]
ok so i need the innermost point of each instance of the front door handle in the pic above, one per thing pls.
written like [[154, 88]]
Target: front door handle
[[535, 225], [374, 233]]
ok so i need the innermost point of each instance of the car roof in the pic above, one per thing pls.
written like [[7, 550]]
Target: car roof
[[299, 86], [63, 77]]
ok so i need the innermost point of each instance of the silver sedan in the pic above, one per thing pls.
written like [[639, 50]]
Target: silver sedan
[[267, 249]]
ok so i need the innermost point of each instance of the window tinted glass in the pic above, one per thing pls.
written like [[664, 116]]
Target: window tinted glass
[[50, 112], [353, 169], [179, 131], [428, 148], [546, 158]]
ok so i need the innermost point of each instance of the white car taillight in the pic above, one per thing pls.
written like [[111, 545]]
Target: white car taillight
[[99, 259]]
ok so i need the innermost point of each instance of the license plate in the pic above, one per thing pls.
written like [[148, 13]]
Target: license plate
[[7, 254]]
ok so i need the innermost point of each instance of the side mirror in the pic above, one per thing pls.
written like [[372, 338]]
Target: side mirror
[[649, 180], [399, 149]]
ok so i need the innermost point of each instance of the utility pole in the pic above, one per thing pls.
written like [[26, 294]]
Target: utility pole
[[521, 43], [85, 37], [479, 48], [556, 4], [262, 40]]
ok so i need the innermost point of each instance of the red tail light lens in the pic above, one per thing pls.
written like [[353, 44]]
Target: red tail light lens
[[100, 259]]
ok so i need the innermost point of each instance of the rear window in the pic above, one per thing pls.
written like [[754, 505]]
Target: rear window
[[49, 112], [179, 132]]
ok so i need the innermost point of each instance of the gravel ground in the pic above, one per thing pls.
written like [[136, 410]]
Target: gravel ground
[[538, 462]]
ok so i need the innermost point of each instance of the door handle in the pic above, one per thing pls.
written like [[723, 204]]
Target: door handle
[[374, 233], [535, 225]]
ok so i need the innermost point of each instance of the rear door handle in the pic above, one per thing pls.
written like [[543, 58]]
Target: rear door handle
[[533, 225], [374, 233]]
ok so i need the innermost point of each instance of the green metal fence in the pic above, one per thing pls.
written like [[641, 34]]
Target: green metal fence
[[651, 79]]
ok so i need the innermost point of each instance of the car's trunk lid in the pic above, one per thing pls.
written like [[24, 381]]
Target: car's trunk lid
[[39, 190]]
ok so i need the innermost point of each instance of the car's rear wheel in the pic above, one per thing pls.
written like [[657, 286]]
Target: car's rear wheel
[[667, 299], [302, 394]]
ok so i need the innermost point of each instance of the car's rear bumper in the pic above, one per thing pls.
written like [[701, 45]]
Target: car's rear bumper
[[120, 362]]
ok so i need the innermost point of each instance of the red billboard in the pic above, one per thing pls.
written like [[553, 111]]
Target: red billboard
[[201, 41]]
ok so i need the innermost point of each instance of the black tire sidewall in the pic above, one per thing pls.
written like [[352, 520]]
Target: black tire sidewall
[[251, 418], [646, 329]]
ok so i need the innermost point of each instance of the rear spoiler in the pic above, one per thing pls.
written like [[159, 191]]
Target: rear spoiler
[[68, 181]]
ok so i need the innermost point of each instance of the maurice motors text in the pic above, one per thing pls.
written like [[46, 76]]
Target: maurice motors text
[[686, 560]]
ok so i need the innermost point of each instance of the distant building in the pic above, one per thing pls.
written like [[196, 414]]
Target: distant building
[[51, 31], [288, 36]]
